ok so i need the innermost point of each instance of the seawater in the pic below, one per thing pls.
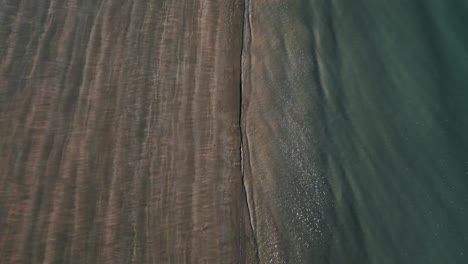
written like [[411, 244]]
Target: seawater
[[363, 105]]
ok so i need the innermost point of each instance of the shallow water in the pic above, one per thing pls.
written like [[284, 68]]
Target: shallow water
[[356, 130]]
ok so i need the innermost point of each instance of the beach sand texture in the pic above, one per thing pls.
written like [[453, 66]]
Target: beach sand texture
[[119, 131]]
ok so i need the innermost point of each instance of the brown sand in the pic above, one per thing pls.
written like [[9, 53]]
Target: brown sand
[[119, 136]]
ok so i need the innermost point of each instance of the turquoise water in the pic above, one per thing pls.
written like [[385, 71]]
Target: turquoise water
[[365, 104]]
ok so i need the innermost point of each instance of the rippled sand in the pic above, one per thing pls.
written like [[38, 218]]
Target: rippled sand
[[119, 131]]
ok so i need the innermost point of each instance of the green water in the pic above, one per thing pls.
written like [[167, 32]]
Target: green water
[[368, 105]]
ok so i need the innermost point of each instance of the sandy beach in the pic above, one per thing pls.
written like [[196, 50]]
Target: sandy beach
[[119, 131]]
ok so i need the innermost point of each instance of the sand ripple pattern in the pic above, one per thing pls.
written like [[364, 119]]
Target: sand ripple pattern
[[119, 137]]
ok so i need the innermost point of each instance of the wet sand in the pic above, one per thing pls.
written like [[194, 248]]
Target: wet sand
[[119, 131]]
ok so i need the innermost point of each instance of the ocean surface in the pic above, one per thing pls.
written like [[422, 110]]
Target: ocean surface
[[356, 131]]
